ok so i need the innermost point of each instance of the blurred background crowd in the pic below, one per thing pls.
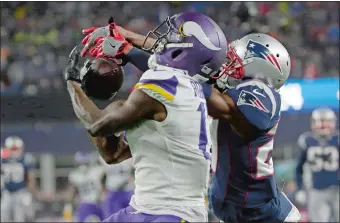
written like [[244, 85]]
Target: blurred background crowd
[[36, 38]]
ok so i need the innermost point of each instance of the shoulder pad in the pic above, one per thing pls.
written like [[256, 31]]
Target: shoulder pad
[[29, 159], [302, 140], [161, 82], [73, 176], [259, 103]]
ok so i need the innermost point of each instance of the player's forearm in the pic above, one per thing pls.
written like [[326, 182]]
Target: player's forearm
[[93, 119], [298, 176], [32, 184], [219, 105], [112, 149], [86, 111], [139, 58], [136, 39]]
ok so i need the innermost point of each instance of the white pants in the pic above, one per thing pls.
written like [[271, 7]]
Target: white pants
[[323, 205], [293, 216], [16, 206]]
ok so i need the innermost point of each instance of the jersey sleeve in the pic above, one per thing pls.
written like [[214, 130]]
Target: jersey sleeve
[[207, 89], [29, 161], [257, 102], [73, 177], [139, 58], [160, 85], [301, 159]]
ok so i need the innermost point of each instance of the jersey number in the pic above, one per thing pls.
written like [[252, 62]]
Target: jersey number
[[323, 158], [203, 138], [264, 161], [13, 172]]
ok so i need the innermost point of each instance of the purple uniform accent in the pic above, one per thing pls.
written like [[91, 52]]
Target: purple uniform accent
[[115, 201], [203, 131], [86, 210], [130, 214], [170, 85], [124, 137]]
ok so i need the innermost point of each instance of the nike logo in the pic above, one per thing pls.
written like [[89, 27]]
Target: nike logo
[[258, 93], [112, 45]]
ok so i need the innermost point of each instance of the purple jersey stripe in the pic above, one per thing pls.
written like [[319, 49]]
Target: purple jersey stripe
[[170, 85]]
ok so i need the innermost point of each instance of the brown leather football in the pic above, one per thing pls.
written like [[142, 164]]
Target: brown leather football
[[102, 78]]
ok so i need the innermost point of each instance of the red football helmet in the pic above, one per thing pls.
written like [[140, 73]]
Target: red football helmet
[[323, 121], [15, 145]]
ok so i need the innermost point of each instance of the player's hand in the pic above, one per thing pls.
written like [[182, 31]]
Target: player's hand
[[72, 72], [226, 82], [110, 47], [94, 32], [300, 197]]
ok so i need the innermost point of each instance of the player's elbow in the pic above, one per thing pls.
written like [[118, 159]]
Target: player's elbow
[[109, 160], [99, 127]]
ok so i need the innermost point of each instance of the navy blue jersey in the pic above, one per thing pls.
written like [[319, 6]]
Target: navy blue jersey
[[15, 172], [322, 157], [244, 169]]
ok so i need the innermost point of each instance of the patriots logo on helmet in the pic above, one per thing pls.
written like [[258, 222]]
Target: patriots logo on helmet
[[255, 49], [248, 98]]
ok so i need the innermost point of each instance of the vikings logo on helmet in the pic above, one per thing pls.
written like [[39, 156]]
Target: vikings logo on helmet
[[248, 98], [255, 49]]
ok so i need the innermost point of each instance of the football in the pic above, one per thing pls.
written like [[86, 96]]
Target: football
[[101, 78]]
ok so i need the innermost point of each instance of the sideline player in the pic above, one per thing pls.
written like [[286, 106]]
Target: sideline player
[[87, 179], [319, 149], [119, 185], [243, 186], [170, 153], [19, 183]]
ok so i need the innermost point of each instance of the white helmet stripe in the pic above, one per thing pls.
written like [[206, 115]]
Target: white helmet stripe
[[191, 28]]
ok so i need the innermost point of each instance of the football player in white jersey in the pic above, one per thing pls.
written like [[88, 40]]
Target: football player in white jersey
[[19, 182], [87, 179], [119, 184], [166, 122]]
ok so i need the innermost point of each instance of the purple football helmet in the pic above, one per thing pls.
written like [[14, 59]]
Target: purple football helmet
[[189, 41]]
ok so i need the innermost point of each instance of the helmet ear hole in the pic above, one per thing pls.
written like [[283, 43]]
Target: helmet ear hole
[[176, 53], [207, 61]]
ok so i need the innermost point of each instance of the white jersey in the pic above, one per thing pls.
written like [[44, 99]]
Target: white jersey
[[118, 175], [171, 158], [87, 180]]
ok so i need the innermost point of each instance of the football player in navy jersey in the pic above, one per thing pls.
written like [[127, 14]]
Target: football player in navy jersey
[[18, 182], [246, 104], [319, 149]]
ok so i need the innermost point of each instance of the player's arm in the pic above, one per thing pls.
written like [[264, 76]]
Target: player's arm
[[137, 40], [220, 105], [117, 116], [31, 175], [32, 182], [112, 149], [300, 162], [134, 54]]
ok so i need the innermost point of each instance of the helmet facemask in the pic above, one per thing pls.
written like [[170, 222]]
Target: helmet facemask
[[232, 71], [167, 36], [233, 67]]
